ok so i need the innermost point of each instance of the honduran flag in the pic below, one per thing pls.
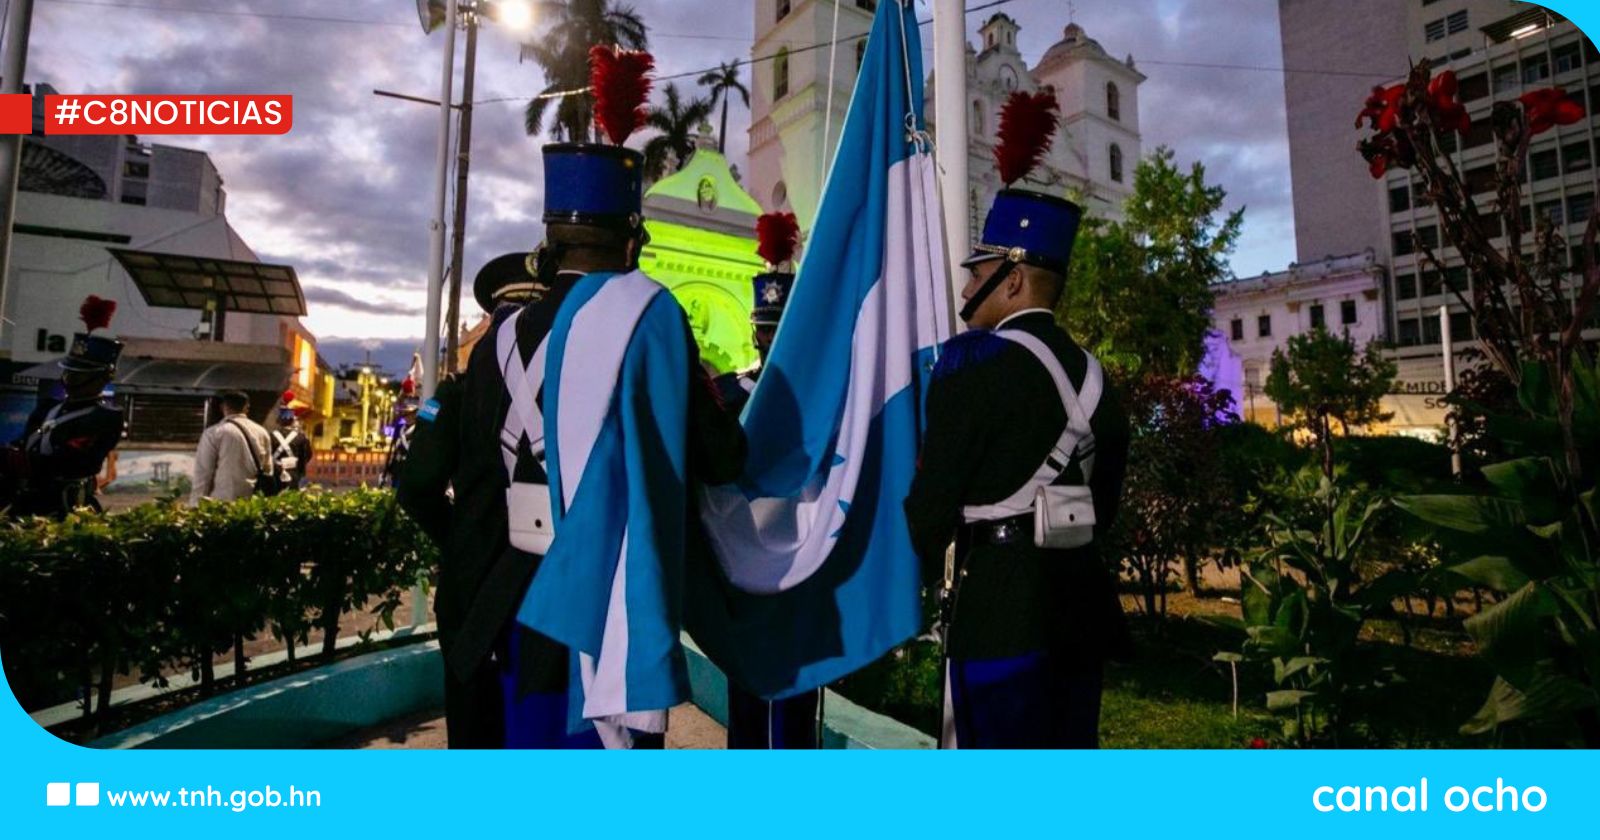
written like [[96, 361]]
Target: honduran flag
[[816, 575]]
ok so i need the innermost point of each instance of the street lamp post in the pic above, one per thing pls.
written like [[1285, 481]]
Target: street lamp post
[[430, 334]]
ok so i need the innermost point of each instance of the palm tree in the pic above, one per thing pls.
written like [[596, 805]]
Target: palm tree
[[724, 82], [563, 54], [677, 121]]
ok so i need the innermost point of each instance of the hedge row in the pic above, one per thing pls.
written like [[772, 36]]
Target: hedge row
[[163, 589]]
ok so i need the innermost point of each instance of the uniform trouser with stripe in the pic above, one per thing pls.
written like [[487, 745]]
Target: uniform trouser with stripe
[[1033, 701], [537, 720], [757, 724]]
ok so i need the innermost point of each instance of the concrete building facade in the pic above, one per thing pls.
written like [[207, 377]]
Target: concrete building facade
[[1092, 159]]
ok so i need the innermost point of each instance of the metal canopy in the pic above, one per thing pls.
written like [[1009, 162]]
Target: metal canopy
[[185, 282]]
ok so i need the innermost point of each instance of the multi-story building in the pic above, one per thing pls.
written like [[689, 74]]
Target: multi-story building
[[1498, 50], [1092, 159], [1256, 316], [1333, 55], [789, 99], [1097, 145], [198, 311]]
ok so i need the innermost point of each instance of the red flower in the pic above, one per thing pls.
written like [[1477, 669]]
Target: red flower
[[1382, 107], [1548, 108], [1386, 149], [1258, 743], [1448, 114]]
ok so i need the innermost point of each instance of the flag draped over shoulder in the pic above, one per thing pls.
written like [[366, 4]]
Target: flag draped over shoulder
[[817, 576], [615, 436]]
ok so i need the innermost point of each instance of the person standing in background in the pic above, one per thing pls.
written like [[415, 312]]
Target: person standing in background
[[233, 454]]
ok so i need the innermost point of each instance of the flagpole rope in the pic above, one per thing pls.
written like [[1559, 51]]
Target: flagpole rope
[[827, 116]]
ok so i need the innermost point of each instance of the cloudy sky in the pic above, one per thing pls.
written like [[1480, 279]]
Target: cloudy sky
[[345, 196]]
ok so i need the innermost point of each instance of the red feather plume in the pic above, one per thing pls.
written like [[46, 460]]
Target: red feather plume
[[1027, 125], [96, 312], [620, 82], [777, 236]]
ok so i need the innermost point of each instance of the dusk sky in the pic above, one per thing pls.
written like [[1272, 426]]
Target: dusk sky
[[345, 196]]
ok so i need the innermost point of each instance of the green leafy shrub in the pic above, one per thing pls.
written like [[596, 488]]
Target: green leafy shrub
[[162, 589]]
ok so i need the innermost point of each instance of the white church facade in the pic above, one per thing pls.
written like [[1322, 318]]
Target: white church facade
[[792, 135]]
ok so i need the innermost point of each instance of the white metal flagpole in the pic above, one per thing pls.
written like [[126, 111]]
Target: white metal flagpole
[[430, 335], [1450, 386], [950, 125]]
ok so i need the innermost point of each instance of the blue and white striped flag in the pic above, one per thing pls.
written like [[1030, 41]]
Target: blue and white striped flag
[[814, 539]]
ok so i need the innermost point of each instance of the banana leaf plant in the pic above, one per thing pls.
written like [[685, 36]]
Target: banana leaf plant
[[1307, 594], [1529, 532]]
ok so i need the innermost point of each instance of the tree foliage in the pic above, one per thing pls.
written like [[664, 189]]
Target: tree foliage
[[722, 83], [1140, 295], [563, 54], [1324, 378], [677, 120], [1170, 498]]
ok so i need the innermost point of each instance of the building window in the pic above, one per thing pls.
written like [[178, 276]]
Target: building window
[[1551, 211], [1236, 328], [1456, 22], [783, 9], [1460, 327], [1319, 318], [1399, 199], [1433, 30], [1428, 236], [1473, 87], [1580, 207], [1535, 69], [136, 169], [1455, 277], [1505, 78], [869, 5], [1402, 243], [1116, 163], [861, 53], [780, 195], [1568, 58], [1264, 326], [1113, 101], [1409, 335], [1432, 283], [977, 117], [1405, 286], [780, 73], [1430, 330], [1575, 157], [1347, 312], [1544, 164]]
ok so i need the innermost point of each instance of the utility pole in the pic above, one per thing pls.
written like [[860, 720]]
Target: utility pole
[[458, 233], [13, 66], [436, 254]]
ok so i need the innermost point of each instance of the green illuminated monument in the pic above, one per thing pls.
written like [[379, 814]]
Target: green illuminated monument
[[703, 249]]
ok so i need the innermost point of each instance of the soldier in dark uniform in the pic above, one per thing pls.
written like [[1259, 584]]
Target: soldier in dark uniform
[[454, 486], [51, 470], [754, 723], [1027, 627]]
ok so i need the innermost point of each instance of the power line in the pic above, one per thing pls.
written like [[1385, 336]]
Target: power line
[[233, 13]]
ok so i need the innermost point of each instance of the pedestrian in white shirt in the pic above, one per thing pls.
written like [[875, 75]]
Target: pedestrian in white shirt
[[232, 454]]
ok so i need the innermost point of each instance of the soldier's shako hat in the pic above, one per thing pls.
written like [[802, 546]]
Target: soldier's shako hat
[[1029, 228], [593, 184], [90, 352], [771, 296], [506, 274]]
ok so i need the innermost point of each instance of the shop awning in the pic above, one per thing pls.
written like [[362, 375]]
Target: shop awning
[[186, 282], [177, 376]]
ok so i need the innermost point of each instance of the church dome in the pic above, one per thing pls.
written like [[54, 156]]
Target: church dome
[[1074, 42]]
